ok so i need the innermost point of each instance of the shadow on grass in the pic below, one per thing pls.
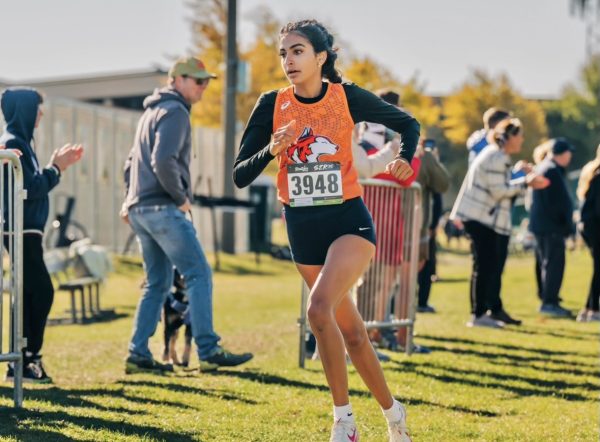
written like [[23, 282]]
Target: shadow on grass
[[181, 388], [557, 333], [444, 280], [554, 385], [510, 359], [76, 398], [107, 316], [22, 423], [272, 379], [541, 351], [496, 380]]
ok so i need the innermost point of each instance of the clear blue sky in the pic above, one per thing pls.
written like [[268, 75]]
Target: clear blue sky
[[536, 42]]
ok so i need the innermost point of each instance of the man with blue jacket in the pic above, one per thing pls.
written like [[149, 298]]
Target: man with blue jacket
[[551, 221], [22, 110], [158, 199]]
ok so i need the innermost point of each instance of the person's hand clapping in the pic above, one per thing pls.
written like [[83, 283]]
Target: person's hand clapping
[[399, 169], [283, 138], [66, 156], [523, 166]]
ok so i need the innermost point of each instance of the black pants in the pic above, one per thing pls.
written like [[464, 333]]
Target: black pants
[[495, 301], [38, 292], [489, 251], [538, 276], [425, 274], [550, 249], [593, 301]]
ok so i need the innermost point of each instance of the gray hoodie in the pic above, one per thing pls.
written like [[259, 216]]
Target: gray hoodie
[[158, 168]]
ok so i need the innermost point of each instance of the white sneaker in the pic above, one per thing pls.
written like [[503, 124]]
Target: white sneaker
[[485, 321], [344, 431], [593, 316], [398, 430], [583, 316]]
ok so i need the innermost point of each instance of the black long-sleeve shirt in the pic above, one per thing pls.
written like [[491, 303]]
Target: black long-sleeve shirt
[[254, 154], [552, 207]]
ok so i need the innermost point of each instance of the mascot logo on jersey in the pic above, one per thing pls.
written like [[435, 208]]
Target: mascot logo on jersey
[[310, 147]]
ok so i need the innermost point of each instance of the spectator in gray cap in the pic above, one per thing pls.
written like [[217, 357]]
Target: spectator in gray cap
[[157, 204]]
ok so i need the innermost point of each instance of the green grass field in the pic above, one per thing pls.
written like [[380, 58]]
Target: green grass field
[[537, 382]]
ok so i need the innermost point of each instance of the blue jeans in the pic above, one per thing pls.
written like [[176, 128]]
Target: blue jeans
[[168, 239]]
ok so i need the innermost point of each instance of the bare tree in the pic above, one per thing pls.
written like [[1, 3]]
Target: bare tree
[[589, 11], [584, 7]]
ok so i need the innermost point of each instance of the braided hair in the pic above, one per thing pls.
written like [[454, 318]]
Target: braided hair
[[321, 40]]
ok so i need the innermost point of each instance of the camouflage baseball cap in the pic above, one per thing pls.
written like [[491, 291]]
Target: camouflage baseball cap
[[190, 67]]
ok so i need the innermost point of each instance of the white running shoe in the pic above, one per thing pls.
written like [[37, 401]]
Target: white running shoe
[[398, 431], [344, 431], [485, 321], [583, 316], [593, 316]]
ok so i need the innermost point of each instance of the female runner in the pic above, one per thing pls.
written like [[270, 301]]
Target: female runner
[[308, 127]]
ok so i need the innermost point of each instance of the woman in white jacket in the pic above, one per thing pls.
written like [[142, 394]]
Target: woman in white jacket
[[484, 206]]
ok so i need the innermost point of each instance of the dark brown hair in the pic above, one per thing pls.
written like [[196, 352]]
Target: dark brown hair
[[321, 40], [493, 116]]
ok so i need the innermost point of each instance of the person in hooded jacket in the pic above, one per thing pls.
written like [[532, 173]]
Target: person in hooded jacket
[[22, 110], [158, 198]]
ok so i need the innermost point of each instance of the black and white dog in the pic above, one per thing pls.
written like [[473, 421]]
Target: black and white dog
[[175, 315]]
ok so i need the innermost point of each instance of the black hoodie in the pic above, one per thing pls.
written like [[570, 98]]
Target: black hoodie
[[20, 109]]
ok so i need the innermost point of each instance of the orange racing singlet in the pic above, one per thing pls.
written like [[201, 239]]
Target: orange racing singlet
[[324, 135]]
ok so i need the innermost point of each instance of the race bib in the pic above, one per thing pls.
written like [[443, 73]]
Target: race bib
[[315, 184]]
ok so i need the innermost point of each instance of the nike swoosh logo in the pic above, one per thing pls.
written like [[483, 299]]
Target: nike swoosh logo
[[353, 437], [363, 228]]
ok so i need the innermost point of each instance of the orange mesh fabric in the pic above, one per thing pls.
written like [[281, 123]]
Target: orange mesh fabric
[[324, 133]]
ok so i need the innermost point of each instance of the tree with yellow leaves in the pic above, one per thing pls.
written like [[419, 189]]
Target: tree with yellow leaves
[[209, 30], [263, 59], [371, 75], [464, 108]]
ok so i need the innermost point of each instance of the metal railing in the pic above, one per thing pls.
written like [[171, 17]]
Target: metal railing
[[11, 282], [385, 295]]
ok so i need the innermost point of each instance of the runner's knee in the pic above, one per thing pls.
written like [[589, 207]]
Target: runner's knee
[[320, 313]]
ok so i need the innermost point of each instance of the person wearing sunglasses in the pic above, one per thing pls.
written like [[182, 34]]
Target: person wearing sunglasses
[[158, 198]]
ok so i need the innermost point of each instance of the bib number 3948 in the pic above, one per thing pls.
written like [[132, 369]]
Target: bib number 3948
[[315, 184]]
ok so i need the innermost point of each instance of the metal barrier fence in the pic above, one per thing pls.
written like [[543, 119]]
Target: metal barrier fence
[[11, 281], [385, 295]]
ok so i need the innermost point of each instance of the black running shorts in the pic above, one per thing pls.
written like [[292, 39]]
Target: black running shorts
[[311, 230]]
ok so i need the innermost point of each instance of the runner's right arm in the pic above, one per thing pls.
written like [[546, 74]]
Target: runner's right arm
[[254, 153]]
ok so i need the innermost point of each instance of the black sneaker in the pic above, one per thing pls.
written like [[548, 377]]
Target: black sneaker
[[33, 373], [224, 358], [555, 310], [506, 318], [139, 364], [425, 309]]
